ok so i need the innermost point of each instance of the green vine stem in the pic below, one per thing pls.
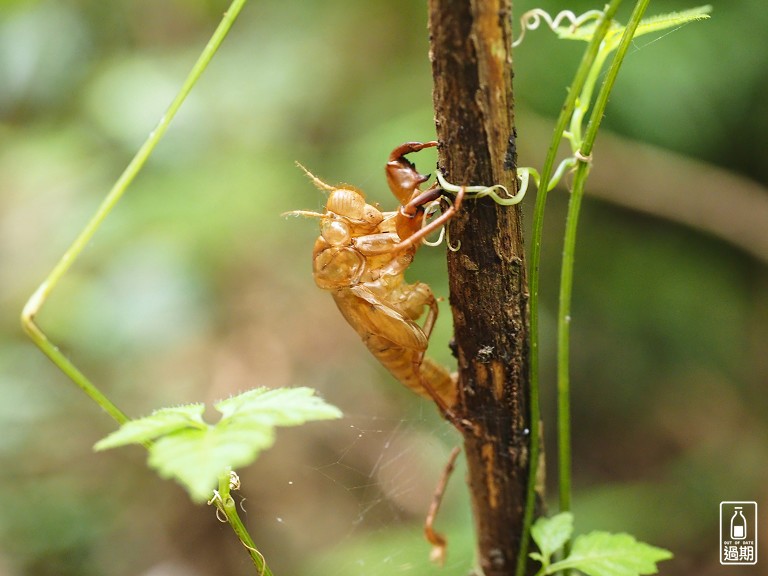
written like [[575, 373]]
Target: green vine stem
[[39, 297], [583, 156], [225, 503], [566, 114]]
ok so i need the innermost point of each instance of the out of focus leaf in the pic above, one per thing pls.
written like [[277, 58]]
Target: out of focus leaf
[[606, 554], [550, 534]]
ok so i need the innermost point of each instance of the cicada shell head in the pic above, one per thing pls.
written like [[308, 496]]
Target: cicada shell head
[[350, 204]]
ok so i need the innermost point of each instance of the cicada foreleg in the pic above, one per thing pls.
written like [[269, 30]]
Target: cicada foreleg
[[402, 177], [425, 230]]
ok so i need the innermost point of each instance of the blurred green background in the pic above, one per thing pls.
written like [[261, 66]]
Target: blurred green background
[[196, 287]]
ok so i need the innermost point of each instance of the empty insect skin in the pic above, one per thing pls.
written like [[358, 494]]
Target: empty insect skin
[[361, 256]]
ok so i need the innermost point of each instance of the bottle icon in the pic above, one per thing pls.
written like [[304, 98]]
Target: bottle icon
[[738, 525]]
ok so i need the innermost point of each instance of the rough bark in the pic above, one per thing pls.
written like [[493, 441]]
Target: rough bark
[[470, 43]]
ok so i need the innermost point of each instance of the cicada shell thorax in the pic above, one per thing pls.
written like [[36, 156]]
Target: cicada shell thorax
[[337, 267]]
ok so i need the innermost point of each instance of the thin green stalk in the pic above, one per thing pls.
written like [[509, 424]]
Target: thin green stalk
[[569, 245], [37, 300], [610, 78], [563, 341], [39, 297], [228, 507], [538, 226], [585, 97]]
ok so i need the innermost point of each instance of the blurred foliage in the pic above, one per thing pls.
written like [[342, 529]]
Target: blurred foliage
[[196, 287]]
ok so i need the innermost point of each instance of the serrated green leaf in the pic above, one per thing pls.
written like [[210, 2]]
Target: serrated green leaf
[[196, 458], [278, 407], [606, 554], [159, 423], [550, 534], [663, 21], [647, 25], [185, 448]]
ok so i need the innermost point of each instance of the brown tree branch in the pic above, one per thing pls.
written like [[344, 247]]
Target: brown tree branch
[[470, 44]]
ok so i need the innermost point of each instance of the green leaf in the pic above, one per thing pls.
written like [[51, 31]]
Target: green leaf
[[159, 423], [606, 554], [183, 447], [550, 534], [280, 407], [196, 458], [646, 26], [672, 19]]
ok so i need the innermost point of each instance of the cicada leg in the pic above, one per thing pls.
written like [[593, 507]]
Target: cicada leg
[[438, 541], [426, 230], [402, 177]]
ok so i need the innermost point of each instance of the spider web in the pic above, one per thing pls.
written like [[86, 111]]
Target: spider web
[[390, 469], [362, 505]]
